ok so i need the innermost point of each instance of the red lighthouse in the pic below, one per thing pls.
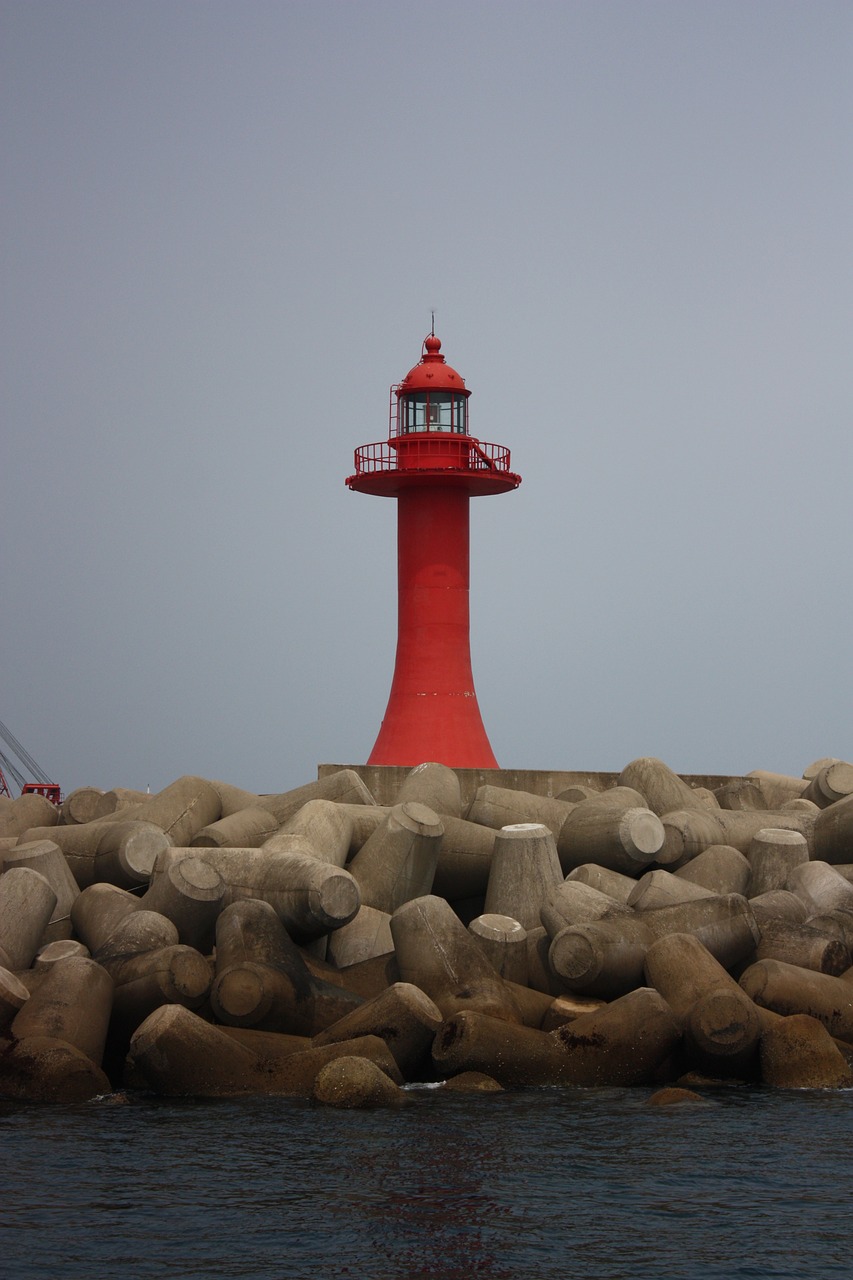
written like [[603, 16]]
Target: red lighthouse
[[432, 466]]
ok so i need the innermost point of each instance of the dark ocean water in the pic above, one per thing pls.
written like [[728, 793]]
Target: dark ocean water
[[545, 1183]]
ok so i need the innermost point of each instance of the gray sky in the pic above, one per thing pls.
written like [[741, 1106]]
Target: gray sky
[[225, 226]]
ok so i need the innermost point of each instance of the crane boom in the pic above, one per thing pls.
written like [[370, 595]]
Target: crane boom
[[23, 755], [41, 784]]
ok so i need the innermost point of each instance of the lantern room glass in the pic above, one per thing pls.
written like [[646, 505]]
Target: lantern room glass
[[432, 411]]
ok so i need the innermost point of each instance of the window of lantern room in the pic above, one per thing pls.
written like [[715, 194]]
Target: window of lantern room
[[432, 411]]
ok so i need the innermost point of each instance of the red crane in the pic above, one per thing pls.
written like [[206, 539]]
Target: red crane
[[433, 467], [42, 785]]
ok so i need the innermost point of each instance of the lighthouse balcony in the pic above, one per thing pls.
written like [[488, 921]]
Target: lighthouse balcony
[[433, 457], [432, 451]]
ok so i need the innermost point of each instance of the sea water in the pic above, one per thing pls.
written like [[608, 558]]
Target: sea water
[[540, 1183]]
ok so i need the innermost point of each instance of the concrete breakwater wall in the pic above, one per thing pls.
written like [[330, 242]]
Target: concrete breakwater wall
[[369, 930]]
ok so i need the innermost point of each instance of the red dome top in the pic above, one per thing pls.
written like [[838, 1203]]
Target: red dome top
[[433, 372]]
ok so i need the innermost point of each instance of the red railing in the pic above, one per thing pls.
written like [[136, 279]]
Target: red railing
[[429, 451]]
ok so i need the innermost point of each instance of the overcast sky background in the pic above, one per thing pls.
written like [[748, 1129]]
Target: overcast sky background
[[225, 225]]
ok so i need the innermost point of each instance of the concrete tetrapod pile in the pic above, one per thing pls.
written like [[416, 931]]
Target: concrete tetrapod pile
[[208, 941]]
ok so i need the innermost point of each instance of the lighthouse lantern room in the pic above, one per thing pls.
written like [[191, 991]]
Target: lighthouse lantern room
[[433, 466]]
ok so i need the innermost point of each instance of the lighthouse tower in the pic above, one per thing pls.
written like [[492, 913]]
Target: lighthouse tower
[[433, 467]]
